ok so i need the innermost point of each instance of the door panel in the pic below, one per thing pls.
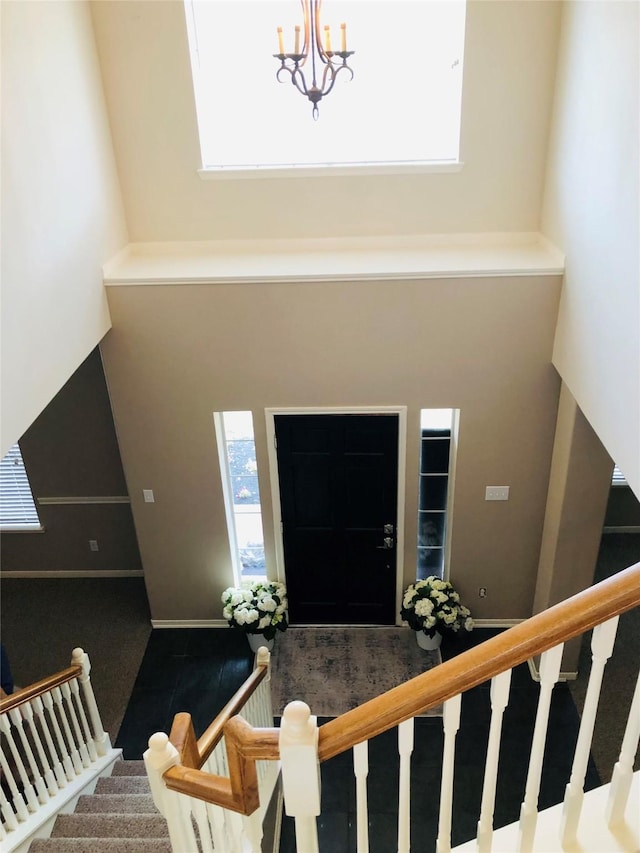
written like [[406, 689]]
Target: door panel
[[338, 489]]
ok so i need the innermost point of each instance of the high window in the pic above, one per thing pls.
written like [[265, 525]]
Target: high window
[[17, 507], [435, 460], [237, 452], [401, 109]]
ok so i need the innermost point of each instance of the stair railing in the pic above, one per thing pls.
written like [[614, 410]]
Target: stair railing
[[301, 745], [52, 743], [208, 781]]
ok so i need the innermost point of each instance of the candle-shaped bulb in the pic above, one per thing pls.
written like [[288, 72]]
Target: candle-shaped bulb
[[343, 38], [327, 38], [296, 49], [280, 42]]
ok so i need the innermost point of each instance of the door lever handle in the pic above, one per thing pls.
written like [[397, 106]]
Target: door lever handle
[[388, 544]]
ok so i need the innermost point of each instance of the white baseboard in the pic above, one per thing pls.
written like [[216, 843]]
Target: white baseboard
[[89, 573], [497, 623], [629, 528], [189, 623]]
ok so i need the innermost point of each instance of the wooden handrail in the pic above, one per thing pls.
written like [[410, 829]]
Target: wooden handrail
[[41, 687], [210, 738], [245, 744], [556, 625]]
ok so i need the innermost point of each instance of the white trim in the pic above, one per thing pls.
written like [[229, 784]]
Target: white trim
[[22, 528], [189, 623], [89, 573], [334, 259], [401, 412], [320, 170], [629, 528], [221, 444], [80, 499]]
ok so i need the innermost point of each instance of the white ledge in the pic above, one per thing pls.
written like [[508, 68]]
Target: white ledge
[[335, 259]]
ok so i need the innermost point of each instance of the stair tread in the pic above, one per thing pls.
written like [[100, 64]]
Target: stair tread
[[116, 803], [122, 785], [97, 844], [129, 767], [109, 826]]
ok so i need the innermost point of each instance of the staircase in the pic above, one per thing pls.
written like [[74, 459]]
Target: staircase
[[224, 790], [119, 817]]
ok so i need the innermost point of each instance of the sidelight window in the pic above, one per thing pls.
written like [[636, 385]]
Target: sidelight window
[[435, 456], [237, 452]]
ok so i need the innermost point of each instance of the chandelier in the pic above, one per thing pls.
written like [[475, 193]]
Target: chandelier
[[325, 62]]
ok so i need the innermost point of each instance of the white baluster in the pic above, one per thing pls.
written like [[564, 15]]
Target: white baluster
[[215, 813], [217, 825], [499, 698], [49, 704], [86, 732], [49, 778], [602, 642], [549, 673], [53, 760], [100, 737], [71, 714], [405, 748], [361, 771], [199, 809], [301, 772], [451, 724], [16, 797], [27, 787], [253, 831], [36, 776], [623, 771], [8, 814], [71, 748], [174, 807], [234, 831]]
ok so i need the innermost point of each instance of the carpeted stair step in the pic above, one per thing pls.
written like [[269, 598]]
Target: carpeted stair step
[[110, 826], [129, 768], [122, 785], [116, 804], [100, 845]]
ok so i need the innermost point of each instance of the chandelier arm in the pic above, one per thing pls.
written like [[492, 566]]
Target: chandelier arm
[[292, 62]]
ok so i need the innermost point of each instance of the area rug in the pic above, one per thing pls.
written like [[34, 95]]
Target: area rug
[[336, 669]]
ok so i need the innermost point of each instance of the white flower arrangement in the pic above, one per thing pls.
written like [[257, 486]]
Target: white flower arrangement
[[257, 609], [432, 605]]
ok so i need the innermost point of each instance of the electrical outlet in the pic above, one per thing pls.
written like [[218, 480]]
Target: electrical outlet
[[148, 496], [93, 545], [496, 493], [482, 592]]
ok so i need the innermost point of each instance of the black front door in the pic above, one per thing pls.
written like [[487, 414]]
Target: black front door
[[338, 492]]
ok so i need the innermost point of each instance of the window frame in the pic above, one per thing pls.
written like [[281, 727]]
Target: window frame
[[20, 484], [240, 578]]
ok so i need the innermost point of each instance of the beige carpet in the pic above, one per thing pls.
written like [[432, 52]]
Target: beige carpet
[[335, 669]]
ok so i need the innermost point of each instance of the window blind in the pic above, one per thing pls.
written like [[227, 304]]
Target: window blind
[[618, 478], [17, 508]]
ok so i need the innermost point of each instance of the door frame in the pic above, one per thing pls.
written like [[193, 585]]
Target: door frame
[[401, 412]]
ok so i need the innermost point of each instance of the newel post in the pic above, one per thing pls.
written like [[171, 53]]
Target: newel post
[[160, 756], [101, 739], [301, 772]]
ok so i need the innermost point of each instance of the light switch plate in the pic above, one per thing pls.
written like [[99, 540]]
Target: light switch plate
[[148, 496], [497, 493]]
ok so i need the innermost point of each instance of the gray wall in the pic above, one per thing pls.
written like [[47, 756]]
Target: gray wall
[[71, 451]]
